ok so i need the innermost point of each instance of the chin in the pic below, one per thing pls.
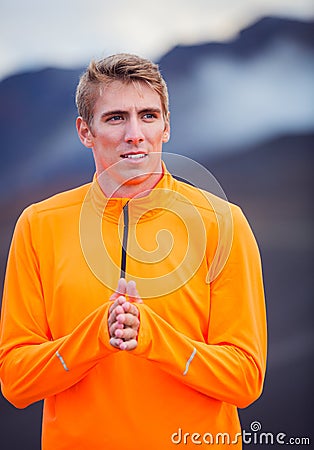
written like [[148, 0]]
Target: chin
[[135, 179]]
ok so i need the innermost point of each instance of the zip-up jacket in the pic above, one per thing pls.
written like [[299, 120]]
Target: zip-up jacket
[[202, 338]]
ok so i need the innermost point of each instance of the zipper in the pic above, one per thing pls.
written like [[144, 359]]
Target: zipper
[[125, 240]]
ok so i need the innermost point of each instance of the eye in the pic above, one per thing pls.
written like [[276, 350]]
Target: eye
[[114, 118], [149, 116]]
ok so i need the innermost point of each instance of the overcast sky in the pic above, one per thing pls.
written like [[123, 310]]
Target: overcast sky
[[68, 33]]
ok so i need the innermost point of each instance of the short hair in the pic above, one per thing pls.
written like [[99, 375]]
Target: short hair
[[123, 67]]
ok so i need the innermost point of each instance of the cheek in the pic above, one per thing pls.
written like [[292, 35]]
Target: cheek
[[107, 143], [157, 139]]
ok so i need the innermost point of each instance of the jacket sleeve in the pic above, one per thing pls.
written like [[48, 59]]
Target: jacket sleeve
[[32, 365], [230, 365]]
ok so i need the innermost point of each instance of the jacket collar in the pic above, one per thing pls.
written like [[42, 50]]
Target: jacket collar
[[140, 208]]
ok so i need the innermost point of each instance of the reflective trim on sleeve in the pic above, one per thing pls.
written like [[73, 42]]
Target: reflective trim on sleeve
[[189, 361], [62, 361]]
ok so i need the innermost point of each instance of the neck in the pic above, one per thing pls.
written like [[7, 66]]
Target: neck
[[112, 189]]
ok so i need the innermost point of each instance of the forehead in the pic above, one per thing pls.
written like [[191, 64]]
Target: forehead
[[121, 96]]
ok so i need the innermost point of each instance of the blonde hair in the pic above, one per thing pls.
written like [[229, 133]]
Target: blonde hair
[[123, 67]]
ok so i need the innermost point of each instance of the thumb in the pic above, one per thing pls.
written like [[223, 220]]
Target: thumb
[[132, 292], [121, 289]]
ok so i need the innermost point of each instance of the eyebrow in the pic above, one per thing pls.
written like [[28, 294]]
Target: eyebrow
[[118, 112]]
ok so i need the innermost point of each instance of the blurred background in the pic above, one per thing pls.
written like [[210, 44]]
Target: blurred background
[[241, 82]]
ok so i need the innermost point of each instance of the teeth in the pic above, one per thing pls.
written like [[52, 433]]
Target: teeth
[[137, 156]]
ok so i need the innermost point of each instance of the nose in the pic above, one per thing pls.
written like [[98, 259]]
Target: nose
[[133, 132]]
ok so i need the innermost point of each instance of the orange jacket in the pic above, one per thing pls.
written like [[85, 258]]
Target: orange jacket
[[202, 337]]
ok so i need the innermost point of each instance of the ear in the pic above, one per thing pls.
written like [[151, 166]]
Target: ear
[[84, 132], [166, 135]]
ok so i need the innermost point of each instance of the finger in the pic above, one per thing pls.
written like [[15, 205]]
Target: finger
[[130, 308], [121, 289], [119, 309], [115, 326], [128, 320], [119, 301], [129, 345], [132, 292], [112, 316], [126, 334], [115, 342], [127, 309], [115, 310]]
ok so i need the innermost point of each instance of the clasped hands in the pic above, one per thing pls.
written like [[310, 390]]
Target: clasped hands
[[123, 316]]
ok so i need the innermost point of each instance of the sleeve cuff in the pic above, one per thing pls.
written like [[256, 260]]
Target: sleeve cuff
[[144, 337]]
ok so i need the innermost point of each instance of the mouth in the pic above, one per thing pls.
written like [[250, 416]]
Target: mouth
[[134, 156]]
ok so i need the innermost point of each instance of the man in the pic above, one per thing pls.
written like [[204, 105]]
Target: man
[[132, 305]]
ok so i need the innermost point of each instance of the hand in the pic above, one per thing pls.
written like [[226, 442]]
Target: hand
[[123, 316]]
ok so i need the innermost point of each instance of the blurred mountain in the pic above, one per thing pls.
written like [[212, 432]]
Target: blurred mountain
[[245, 110], [230, 96], [224, 97]]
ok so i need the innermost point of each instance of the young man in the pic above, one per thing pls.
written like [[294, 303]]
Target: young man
[[132, 305]]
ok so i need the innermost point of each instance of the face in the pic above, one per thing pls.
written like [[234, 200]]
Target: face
[[126, 135]]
